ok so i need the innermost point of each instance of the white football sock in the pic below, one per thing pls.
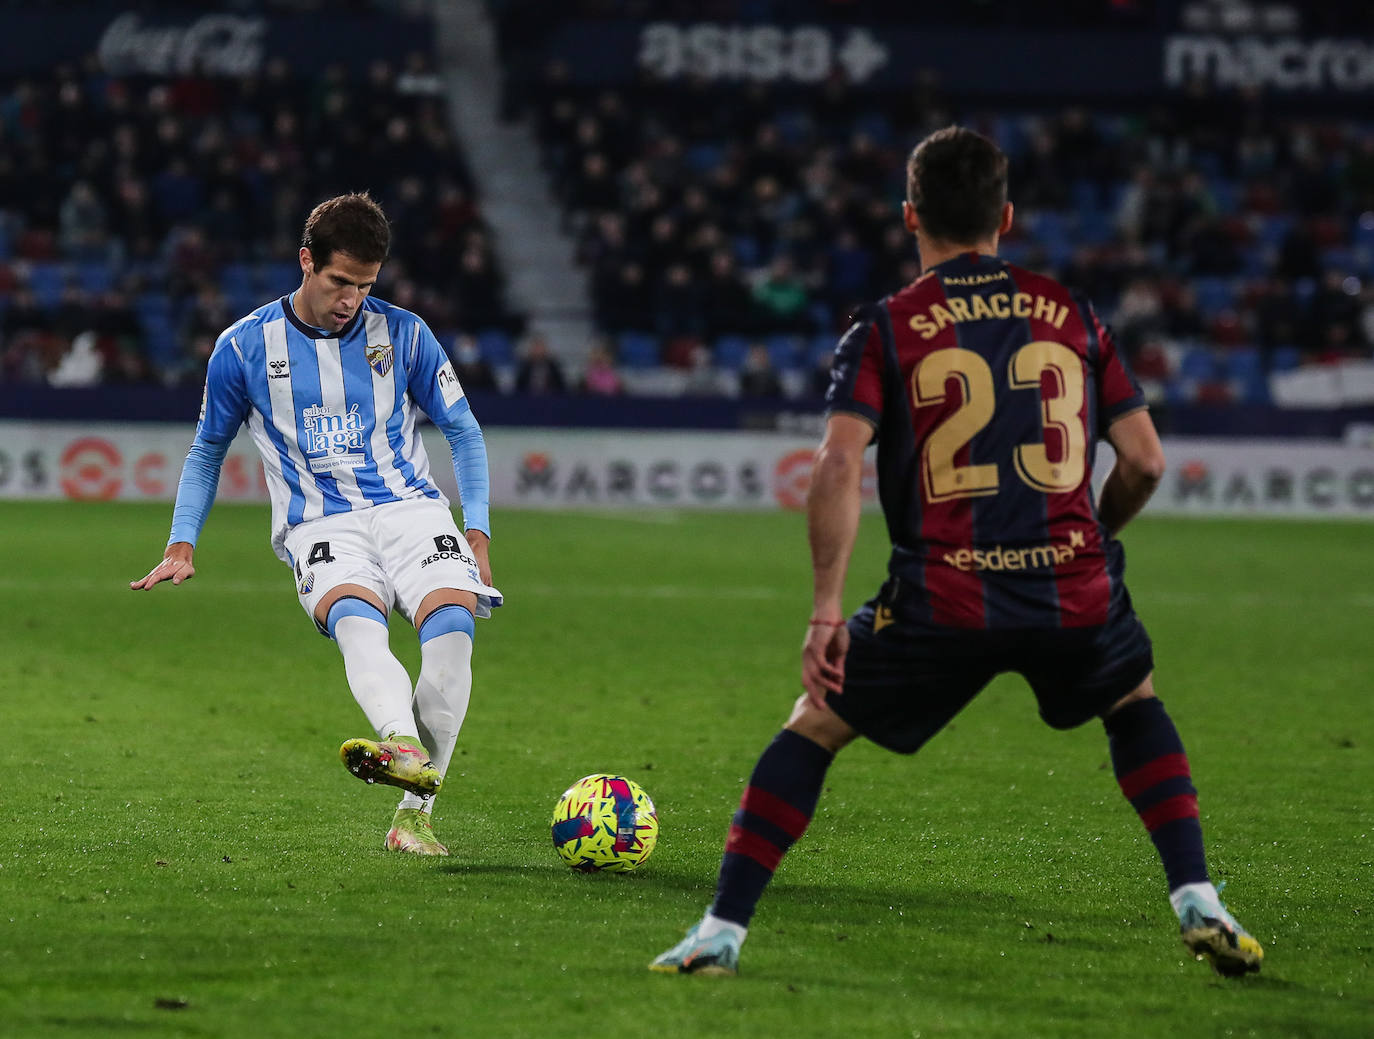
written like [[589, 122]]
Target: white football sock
[[1207, 892], [378, 680], [442, 693], [711, 926]]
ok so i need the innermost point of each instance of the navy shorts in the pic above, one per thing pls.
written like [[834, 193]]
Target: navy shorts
[[906, 680]]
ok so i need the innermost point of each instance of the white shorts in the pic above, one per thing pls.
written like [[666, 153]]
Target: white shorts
[[402, 551]]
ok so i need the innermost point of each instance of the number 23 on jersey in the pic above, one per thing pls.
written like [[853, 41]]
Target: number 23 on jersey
[[1061, 402]]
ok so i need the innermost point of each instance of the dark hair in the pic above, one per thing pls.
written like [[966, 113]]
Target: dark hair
[[957, 181], [352, 224]]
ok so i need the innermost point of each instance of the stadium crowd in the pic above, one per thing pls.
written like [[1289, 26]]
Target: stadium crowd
[[140, 216], [1222, 239], [727, 229]]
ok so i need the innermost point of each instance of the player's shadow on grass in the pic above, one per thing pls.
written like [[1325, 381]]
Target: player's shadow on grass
[[501, 869]]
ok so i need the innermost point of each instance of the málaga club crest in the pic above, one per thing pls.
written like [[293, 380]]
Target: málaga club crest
[[380, 358]]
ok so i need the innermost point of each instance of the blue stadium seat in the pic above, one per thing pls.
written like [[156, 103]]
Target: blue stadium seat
[[785, 351], [747, 251], [277, 279], [703, 158], [1254, 263], [496, 347], [1176, 392], [237, 279], [639, 350], [95, 278], [1285, 359], [1225, 194], [1214, 295], [1084, 195], [242, 302], [159, 338], [1243, 362], [1273, 229], [730, 351], [1096, 226], [1361, 234], [1253, 389], [47, 281], [1245, 369], [1339, 258], [153, 305], [1197, 365], [822, 345], [821, 314], [1015, 251], [877, 125], [1007, 131]]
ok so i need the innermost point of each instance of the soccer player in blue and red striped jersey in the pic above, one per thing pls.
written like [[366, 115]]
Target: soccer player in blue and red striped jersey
[[985, 387], [329, 383]]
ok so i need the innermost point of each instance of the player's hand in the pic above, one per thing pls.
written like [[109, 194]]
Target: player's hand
[[478, 542], [176, 567], [823, 653]]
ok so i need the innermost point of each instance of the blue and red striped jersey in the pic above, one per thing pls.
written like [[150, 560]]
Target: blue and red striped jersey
[[988, 387]]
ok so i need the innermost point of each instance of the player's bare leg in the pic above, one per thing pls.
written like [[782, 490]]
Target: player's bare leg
[[1152, 769]]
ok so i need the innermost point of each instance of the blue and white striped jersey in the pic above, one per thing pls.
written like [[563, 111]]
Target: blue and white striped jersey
[[333, 416]]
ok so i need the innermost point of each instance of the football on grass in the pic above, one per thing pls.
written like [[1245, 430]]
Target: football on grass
[[604, 822]]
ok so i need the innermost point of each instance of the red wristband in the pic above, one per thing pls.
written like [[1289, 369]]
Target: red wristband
[[815, 623]]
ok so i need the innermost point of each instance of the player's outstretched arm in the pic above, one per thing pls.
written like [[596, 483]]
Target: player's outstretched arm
[[176, 566], [1139, 468]]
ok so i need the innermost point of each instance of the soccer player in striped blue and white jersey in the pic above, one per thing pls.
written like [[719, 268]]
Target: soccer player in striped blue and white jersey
[[330, 383]]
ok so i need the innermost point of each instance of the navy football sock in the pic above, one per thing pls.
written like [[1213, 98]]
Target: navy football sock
[[1152, 769], [773, 813]]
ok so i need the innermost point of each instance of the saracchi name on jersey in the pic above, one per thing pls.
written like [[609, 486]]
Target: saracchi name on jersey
[[988, 386], [334, 416]]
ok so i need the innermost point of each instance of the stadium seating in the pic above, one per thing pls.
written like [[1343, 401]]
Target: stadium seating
[[70, 249]]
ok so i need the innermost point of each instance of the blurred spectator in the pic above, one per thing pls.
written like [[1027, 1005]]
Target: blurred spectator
[[599, 377], [80, 366], [621, 299], [539, 372], [727, 303], [758, 378], [167, 180], [82, 225], [781, 296], [821, 374], [473, 370], [678, 304], [704, 379], [479, 291]]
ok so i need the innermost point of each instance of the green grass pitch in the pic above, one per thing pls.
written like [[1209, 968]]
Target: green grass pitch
[[184, 855]]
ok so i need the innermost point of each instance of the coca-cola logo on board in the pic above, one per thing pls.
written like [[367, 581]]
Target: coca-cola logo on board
[[212, 45]]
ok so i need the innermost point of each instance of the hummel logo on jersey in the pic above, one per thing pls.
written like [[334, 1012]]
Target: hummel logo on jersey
[[278, 370], [380, 358]]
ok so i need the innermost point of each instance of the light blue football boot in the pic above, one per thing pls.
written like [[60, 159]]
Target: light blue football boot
[[1211, 933], [718, 954]]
